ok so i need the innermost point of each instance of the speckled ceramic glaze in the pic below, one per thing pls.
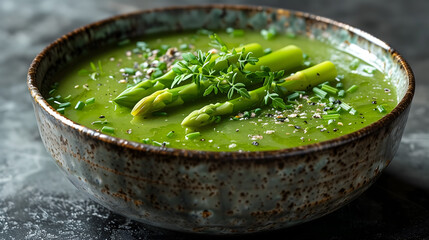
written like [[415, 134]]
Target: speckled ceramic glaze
[[220, 192]]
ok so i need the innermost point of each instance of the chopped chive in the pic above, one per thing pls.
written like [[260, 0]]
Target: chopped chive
[[144, 65], [50, 99], [381, 108], [291, 35], [339, 77], [329, 89], [142, 45], [159, 114], [345, 106], [267, 51], [307, 63], [341, 93], [162, 66], [331, 111], [61, 110], [107, 129], [339, 85], [338, 109], [90, 100], [170, 134], [184, 46], [319, 92], [268, 34], [353, 111], [64, 105], [67, 98], [155, 143], [93, 66], [314, 99], [130, 71], [156, 74], [369, 70], [293, 96], [324, 83], [354, 64], [257, 111], [246, 114], [352, 89], [305, 56], [147, 141], [235, 32], [52, 91], [331, 116], [58, 97], [192, 135], [79, 105], [83, 72]]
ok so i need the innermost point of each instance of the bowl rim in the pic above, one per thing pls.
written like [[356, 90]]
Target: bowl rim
[[225, 155]]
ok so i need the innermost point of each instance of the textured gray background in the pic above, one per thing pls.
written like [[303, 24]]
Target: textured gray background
[[37, 202]]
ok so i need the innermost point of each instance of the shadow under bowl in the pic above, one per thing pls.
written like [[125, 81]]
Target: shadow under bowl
[[220, 192]]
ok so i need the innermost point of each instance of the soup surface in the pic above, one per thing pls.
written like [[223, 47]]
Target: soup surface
[[85, 90]]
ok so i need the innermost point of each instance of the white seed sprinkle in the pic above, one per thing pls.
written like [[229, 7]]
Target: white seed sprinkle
[[316, 115], [232, 145], [255, 137]]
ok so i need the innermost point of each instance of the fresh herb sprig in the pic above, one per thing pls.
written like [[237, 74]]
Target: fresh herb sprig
[[95, 71], [272, 89], [200, 67], [197, 68]]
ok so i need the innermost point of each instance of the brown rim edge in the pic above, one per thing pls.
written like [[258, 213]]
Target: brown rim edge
[[227, 156]]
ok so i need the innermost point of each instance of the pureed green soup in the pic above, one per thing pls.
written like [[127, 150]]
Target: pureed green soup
[[85, 90]]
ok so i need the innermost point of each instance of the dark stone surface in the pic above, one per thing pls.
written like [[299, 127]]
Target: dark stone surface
[[37, 202]]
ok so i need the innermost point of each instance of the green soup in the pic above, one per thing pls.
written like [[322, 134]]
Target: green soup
[[85, 90]]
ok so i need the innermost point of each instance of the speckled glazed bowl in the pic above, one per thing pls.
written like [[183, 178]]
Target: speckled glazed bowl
[[220, 192]]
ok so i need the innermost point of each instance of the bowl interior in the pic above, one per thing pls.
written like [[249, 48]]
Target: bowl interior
[[103, 33]]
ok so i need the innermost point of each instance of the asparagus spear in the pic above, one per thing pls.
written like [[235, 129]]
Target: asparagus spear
[[301, 80], [289, 57], [130, 96]]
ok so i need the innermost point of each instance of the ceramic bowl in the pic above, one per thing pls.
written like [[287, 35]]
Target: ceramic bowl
[[220, 192]]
